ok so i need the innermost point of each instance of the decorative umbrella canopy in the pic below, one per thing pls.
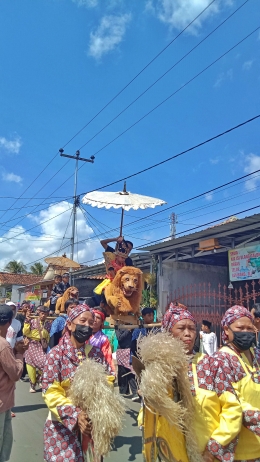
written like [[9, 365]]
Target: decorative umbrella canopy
[[120, 200], [124, 200], [62, 262]]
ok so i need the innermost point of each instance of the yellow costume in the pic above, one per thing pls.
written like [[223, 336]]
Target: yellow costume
[[35, 356], [162, 439], [168, 410], [227, 397]]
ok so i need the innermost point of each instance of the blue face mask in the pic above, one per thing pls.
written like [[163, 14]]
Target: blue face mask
[[243, 340]]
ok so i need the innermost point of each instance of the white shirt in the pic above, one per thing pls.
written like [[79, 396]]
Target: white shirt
[[208, 343], [12, 332]]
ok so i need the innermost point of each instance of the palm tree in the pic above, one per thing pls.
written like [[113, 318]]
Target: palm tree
[[15, 266], [38, 269]]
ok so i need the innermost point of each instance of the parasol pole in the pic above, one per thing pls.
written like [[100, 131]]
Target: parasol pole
[[76, 201], [124, 192], [121, 224]]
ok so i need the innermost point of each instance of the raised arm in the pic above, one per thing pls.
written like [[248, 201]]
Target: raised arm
[[105, 242]]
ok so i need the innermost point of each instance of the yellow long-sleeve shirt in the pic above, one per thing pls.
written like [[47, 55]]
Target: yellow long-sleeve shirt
[[227, 419], [31, 330]]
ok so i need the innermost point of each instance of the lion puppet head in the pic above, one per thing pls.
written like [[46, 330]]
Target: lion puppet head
[[71, 292], [124, 293]]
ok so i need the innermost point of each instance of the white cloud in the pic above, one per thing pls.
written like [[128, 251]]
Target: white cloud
[[247, 65], [214, 161], [87, 3], [11, 146], [108, 35], [11, 177], [228, 75], [209, 196], [252, 164], [29, 247], [179, 13]]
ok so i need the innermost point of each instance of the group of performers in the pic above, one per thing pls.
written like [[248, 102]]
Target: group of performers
[[223, 422], [195, 406]]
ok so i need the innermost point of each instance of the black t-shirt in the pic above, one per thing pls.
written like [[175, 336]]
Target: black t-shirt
[[128, 260]]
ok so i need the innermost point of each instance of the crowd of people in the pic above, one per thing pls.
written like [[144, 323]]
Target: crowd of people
[[215, 388]]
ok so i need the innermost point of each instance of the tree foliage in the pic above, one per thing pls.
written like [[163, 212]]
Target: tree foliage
[[15, 266], [38, 269]]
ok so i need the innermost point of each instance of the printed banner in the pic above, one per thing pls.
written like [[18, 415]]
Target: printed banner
[[244, 263]]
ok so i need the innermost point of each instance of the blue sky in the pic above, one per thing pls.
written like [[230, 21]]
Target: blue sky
[[63, 60]]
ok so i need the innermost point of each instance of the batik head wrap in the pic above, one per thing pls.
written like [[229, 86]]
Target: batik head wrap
[[101, 314], [174, 314], [231, 315], [77, 311]]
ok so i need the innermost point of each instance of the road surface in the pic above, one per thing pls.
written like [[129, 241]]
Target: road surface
[[28, 424]]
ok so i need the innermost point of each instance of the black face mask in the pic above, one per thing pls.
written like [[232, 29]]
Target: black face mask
[[82, 333], [243, 340]]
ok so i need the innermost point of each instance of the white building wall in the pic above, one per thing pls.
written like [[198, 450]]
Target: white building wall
[[15, 294]]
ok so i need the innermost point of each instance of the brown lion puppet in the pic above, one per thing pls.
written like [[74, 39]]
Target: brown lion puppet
[[124, 293], [71, 292]]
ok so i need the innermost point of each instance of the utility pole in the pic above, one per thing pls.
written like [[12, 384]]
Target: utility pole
[[173, 221], [76, 198]]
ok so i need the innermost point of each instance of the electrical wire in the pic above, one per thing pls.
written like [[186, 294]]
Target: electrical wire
[[163, 75], [145, 245], [110, 101], [66, 229], [27, 215], [35, 209], [217, 190], [39, 224], [142, 70], [175, 92], [200, 226], [177, 155]]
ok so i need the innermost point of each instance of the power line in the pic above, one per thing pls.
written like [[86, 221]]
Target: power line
[[163, 75], [141, 228], [27, 215], [123, 89], [193, 210], [35, 195], [218, 188], [198, 226], [170, 207], [204, 224], [141, 71], [39, 224], [177, 155], [175, 92]]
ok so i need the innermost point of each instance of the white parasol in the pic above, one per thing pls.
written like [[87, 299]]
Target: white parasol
[[124, 200]]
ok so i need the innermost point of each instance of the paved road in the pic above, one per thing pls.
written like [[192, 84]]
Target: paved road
[[28, 430]]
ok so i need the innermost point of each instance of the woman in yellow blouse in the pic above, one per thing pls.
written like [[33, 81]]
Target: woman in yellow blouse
[[37, 331], [218, 412], [237, 363]]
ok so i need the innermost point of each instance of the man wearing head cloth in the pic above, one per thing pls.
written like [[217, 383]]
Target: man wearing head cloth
[[65, 421], [148, 318], [37, 331], [11, 368]]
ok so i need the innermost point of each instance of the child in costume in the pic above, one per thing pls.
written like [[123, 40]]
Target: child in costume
[[114, 260], [61, 283]]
